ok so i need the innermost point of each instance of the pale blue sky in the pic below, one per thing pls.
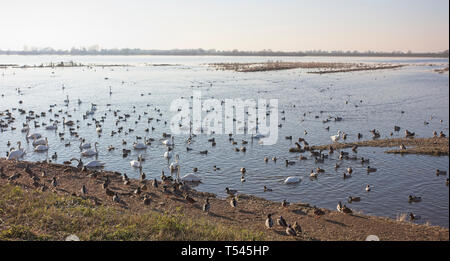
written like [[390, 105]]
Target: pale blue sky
[[380, 25]]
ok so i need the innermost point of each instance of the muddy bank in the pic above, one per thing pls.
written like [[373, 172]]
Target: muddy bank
[[250, 212], [427, 146]]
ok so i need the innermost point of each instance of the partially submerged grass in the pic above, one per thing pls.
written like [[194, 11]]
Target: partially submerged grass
[[33, 215], [325, 67], [429, 146]]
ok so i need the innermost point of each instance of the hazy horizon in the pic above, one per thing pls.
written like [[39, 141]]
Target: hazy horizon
[[384, 26]]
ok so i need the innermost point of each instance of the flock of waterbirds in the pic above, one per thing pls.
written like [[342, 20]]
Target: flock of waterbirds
[[169, 184]]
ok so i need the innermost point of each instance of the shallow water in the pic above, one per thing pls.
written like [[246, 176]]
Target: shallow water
[[416, 89]]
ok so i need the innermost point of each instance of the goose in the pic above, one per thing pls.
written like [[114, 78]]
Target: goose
[[269, 221], [335, 138], [42, 147], [16, 154], [95, 164], [291, 180], [89, 152]]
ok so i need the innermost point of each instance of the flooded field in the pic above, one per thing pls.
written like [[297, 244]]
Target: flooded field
[[414, 97]]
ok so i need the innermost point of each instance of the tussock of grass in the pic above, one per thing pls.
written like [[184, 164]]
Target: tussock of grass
[[34, 215]]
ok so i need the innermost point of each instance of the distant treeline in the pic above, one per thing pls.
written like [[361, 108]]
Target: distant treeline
[[127, 51]]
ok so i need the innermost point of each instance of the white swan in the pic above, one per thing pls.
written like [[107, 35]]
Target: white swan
[[84, 145], [191, 178], [37, 142], [33, 136], [174, 165], [89, 152], [42, 147], [139, 146], [95, 164], [168, 154], [16, 154], [292, 179], [335, 138], [136, 163], [168, 142]]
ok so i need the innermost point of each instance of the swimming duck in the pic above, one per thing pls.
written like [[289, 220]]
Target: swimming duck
[[349, 170], [369, 169], [363, 160], [313, 174], [353, 199], [301, 157], [414, 199], [346, 176], [230, 192], [368, 187], [289, 162], [441, 172], [266, 159], [243, 170], [269, 221], [266, 189]]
